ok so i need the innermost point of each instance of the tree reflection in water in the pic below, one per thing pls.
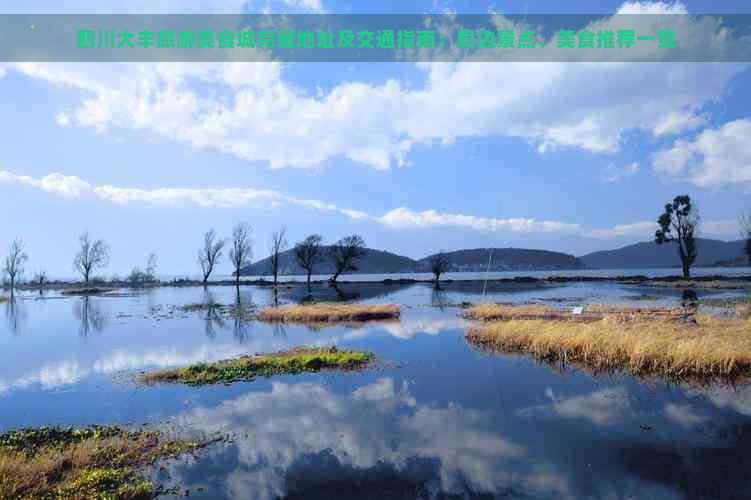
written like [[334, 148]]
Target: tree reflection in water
[[15, 315], [90, 315]]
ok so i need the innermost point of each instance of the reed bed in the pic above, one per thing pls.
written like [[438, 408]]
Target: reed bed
[[327, 312], [677, 349], [591, 312], [82, 463], [743, 310], [249, 367]]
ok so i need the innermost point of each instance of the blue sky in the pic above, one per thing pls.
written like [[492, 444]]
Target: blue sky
[[414, 157]]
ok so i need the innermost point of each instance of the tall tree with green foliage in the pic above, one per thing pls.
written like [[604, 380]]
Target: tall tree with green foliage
[[746, 230], [678, 224]]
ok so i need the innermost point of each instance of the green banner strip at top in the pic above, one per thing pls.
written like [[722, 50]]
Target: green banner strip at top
[[374, 38]]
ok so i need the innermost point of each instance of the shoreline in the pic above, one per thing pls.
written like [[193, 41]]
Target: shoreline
[[674, 281]]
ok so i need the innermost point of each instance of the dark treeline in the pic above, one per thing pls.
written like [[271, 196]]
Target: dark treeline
[[678, 225]]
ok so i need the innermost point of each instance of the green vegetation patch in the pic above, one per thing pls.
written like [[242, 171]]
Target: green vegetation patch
[[82, 463], [266, 365]]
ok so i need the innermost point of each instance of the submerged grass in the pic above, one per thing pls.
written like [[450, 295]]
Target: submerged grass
[[82, 463], [327, 312], [266, 365], [711, 347]]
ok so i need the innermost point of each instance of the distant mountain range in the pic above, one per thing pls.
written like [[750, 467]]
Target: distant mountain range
[[374, 262], [639, 255], [650, 255], [507, 259], [381, 262]]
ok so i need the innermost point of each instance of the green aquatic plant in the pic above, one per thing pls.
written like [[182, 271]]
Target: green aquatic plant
[[248, 367]]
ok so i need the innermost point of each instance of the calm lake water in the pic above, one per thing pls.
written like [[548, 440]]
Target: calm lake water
[[436, 419], [605, 273]]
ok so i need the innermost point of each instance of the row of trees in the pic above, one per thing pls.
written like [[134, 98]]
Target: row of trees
[[678, 224], [309, 253]]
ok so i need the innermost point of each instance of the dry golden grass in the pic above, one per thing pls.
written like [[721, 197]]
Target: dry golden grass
[[591, 312], [707, 285], [743, 310], [713, 347], [3, 299], [81, 464], [327, 312]]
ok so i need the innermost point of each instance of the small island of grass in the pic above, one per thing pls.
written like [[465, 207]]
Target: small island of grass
[[248, 367], [664, 344], [327, 312], [77, 463]]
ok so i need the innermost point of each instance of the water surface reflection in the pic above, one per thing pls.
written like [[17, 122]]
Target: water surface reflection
[[437, 419]]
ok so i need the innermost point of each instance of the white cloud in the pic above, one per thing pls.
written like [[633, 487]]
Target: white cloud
[[652, 8], [253, 113], [355, 214], [723, 227], [404, 218], [379, 423], [716, 157], [603, 407], [74, 187], [684, 415], [401, 218], [613, 174], [638, 229]]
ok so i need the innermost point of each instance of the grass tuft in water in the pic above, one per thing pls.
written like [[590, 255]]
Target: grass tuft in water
[[664, 346], [590, 312], [266, 365], [327, 312], [82, 463]]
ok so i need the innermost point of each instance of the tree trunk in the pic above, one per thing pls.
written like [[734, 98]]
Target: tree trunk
[[686, 271], [309, 282], [335, 276]]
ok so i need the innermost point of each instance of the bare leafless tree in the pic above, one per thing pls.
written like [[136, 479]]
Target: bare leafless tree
[[40, 278], [439, 264], [278, 245], [147, 275], [14, 262], [91, 255], [211, 254], [308, 253], [344, 253], [241, 252], [746, 231]]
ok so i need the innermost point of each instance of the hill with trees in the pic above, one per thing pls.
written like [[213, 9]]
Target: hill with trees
[[507, 259], [651, 255], [373, 262]]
